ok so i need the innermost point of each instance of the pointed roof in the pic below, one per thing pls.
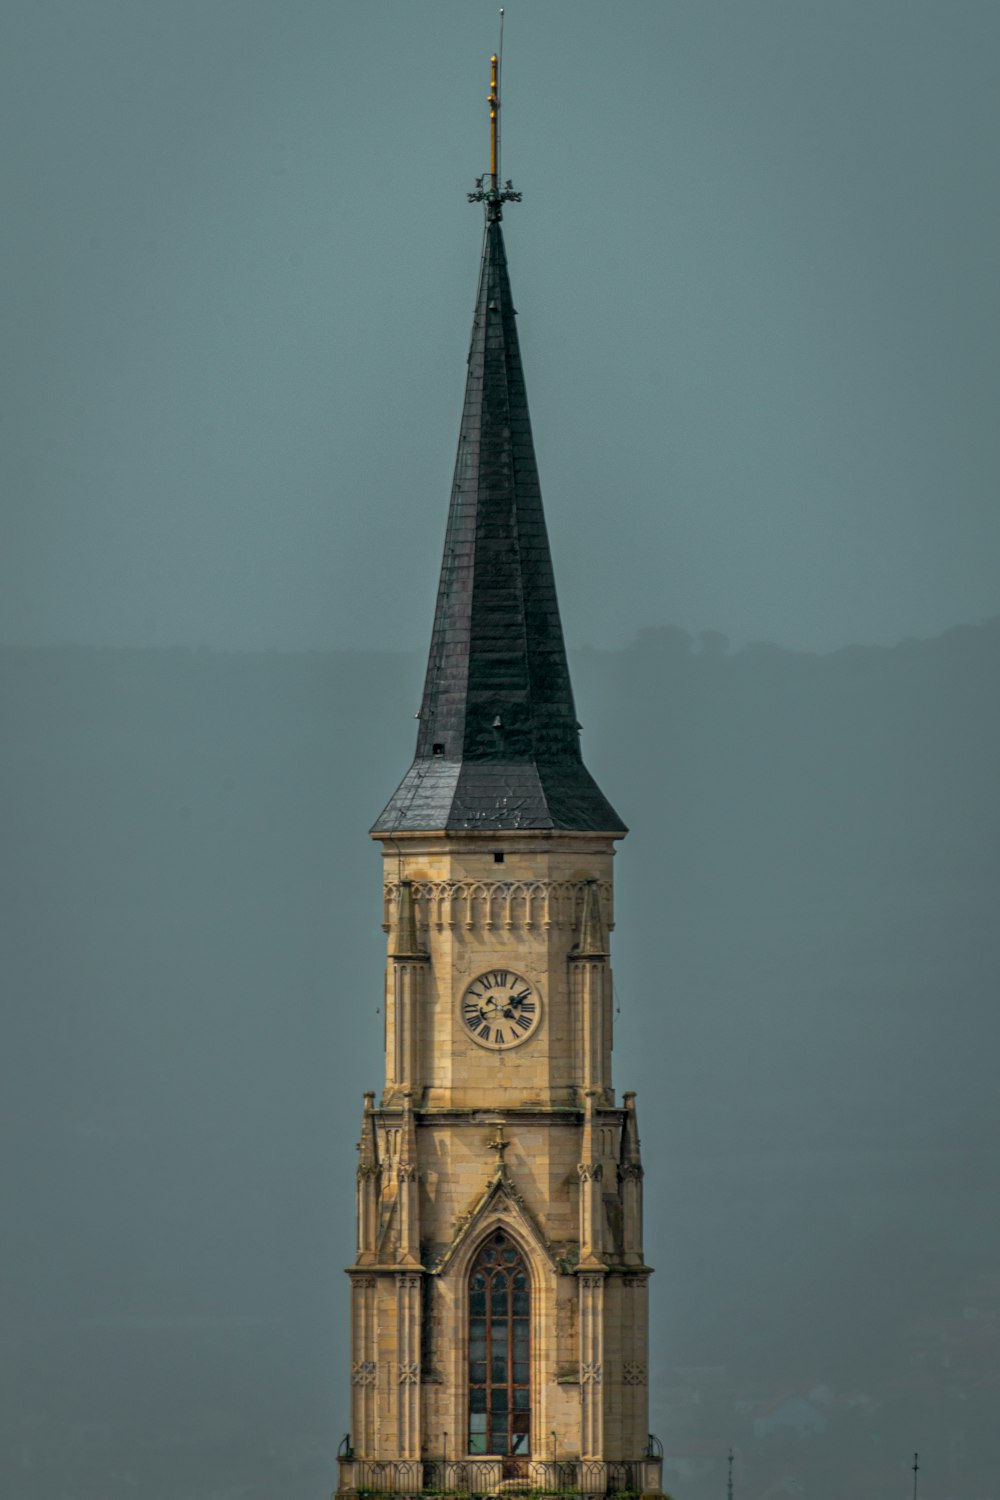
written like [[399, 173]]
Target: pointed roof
[[498, 742], [593, 942], [404, 942]]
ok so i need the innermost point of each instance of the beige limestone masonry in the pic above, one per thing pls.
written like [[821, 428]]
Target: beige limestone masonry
[[464, 1139]]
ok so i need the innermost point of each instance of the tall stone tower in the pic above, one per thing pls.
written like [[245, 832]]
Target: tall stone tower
[[499, 1291]]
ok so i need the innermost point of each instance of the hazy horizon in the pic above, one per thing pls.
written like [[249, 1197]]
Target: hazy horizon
[[705, 638]]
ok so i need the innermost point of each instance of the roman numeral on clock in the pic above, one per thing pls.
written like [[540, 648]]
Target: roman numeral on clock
[[500, 1009]]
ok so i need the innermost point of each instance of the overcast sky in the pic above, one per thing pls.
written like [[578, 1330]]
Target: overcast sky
[[755, 266]]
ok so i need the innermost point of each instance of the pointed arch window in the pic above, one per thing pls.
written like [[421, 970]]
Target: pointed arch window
[[499, 1349]]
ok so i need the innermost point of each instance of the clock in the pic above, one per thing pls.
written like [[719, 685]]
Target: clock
[[500, 1010]]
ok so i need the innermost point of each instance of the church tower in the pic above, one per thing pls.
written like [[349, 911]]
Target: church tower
[[499, 1290]]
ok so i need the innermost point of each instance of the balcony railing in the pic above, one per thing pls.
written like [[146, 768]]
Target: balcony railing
[[486, 1477]]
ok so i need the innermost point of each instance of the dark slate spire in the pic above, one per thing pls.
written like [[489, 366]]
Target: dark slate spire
[[498, 743]]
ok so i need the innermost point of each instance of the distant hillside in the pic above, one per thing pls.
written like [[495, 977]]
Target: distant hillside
[[807, 953]]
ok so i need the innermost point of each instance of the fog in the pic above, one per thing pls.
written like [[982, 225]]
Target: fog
[[806, 958], [755, 268]]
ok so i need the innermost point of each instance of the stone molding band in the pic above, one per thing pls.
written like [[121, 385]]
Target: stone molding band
[[498, 903]]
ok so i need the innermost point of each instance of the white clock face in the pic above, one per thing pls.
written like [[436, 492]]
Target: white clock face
[[500, 1010]]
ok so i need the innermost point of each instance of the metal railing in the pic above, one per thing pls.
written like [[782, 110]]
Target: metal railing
[[485, 1477]]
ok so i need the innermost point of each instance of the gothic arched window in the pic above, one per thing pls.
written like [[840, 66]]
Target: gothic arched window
[[499, 1347]]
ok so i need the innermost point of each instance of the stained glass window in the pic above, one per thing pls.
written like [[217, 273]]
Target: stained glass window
[[499, 1349]]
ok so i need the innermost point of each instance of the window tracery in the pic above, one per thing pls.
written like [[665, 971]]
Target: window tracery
[[499, 1349]]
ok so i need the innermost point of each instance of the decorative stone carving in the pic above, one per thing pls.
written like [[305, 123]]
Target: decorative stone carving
[[409, 1373], [363, 1372], [591, 1373], [407, 1282], [589, 1171], [633, 1373], [486, 904], [406, 1172], [591, 1281]]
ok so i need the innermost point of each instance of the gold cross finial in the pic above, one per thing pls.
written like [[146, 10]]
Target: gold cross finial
[[494, 103], [497, 192]]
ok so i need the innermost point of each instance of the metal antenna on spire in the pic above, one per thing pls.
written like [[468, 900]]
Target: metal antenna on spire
[[496, 194], [916, 1470], [729, 1483], [499, 84]]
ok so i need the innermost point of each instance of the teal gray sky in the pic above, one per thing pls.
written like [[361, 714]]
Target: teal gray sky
[[755, 266]]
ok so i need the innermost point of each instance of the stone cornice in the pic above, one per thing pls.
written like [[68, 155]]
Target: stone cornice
[[523, 1114], [385, 1269], [503, 904]]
